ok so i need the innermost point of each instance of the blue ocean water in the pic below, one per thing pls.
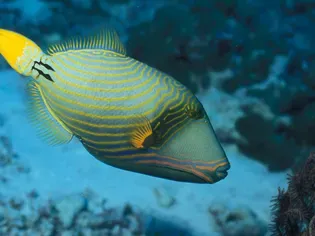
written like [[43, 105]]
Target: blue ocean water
[[250, 63]]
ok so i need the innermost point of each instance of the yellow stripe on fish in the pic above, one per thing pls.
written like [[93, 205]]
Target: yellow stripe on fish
[[125, 113]]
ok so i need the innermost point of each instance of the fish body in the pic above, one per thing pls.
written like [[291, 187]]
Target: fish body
[[125, 113]]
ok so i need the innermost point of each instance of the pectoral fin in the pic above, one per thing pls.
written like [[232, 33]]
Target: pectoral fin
[[143, 135], [49, 127]]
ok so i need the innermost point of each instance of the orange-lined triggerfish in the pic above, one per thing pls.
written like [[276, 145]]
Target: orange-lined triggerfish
[[125, 113]]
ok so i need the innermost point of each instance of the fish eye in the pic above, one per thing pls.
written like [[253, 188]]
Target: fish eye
[[194, 111]]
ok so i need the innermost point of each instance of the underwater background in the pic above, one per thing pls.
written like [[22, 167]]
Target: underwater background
[[251, 63]]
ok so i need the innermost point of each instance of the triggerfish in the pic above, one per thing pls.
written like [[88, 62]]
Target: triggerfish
[[124, 112]]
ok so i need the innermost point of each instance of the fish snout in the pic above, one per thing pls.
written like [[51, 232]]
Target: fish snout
[[222, 171]]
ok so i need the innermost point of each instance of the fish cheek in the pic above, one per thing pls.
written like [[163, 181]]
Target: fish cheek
[[177, 169], [195, 151], [164, 169]]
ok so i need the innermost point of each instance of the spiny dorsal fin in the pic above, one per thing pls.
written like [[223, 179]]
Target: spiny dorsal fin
[[105, 39], [47, 124]]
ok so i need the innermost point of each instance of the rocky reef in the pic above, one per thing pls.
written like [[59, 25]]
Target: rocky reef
[[239, 221], [70, 215]]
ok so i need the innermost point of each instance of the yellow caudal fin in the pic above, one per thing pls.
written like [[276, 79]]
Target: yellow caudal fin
[[48, 126], [16, 48]]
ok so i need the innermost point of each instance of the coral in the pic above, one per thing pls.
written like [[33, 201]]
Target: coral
[[77, 214], [301, 105], [302, 126], [166, 43], [239, 221], [253, 70], [70, 215], [275, 150], [118, 1], [164, 197], [9, 159], [201, 36], [293, 209]]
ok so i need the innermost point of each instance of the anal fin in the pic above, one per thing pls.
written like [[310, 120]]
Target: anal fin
[[48, 126]]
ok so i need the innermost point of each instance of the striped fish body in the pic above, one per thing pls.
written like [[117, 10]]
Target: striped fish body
[[126, 113], [102, 98]]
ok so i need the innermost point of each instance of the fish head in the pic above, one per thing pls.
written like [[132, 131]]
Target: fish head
[[194, 154], [18, 51]]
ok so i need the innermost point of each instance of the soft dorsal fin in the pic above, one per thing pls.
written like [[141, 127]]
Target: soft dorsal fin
[[48, 126], [105, 39]]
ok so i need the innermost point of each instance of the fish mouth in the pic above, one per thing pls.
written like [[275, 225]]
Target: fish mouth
[[222, 171]]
